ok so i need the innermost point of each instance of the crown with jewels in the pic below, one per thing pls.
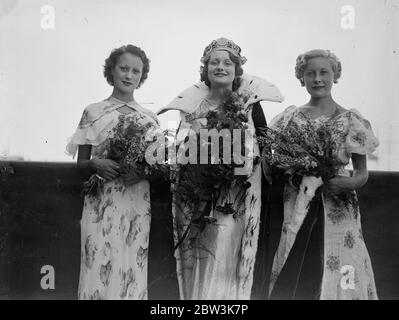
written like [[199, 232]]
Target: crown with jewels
[[223, 44]]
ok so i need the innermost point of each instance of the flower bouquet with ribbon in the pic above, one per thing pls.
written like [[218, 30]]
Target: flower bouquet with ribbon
[[308, 153]]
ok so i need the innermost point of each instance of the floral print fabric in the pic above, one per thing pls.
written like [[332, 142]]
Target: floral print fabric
[[114, 242], [115, 224], [347, 270]]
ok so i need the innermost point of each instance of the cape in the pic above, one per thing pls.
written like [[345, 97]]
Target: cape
[[258, 88]]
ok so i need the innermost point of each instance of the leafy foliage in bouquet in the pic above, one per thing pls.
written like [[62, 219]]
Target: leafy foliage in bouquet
[[303, 149], [231, 114], [127, 147], [200, 183]]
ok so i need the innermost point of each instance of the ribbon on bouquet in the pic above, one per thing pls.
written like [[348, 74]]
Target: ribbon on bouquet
[[306, 193]]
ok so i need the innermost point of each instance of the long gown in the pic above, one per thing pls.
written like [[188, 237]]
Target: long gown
[[219, 261], [115, 223], [328, 259], [212, 262]]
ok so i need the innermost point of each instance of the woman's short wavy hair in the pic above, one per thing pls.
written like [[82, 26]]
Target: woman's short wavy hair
[[238, 72], [303, 59], [112, 60]]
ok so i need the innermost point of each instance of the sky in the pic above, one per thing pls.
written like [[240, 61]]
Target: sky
[[52, 53]]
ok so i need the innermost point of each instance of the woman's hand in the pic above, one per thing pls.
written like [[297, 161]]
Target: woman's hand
[[339, 184], [131, 178], [106, 168]]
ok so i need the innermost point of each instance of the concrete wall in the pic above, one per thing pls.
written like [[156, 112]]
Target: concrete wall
[[40, 209]]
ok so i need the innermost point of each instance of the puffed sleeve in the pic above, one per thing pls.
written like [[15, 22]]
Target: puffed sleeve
[[282, 118], [85, 133], [360, 138]]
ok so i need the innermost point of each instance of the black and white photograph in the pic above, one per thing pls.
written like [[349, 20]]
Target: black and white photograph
[[206, 150]]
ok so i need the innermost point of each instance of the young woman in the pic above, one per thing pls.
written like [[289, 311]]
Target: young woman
[[218, 262], [116, 221], [328, 258]]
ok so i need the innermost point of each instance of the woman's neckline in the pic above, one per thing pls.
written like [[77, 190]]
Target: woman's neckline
[[211, 102], [131, 105], [335, 115], [124, 102]]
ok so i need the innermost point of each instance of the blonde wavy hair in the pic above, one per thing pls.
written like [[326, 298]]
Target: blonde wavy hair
[[303, 59]]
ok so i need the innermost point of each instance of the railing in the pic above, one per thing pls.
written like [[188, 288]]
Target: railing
[[40, 210]]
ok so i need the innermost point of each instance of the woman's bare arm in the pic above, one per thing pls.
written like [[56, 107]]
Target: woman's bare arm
[[106, 168], [360, 172], [359, 178]]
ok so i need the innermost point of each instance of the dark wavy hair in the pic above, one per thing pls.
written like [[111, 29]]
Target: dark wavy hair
[[238, 72], [112, 60]]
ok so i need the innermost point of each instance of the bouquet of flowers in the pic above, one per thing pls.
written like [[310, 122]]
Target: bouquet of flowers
[[200, 185], [127, 147], [305, 149], [307, 152]]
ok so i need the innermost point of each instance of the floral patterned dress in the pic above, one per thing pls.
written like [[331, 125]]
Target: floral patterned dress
[[346, 267], [115, 224]]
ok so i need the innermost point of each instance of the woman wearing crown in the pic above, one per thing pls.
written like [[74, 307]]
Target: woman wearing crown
[[217, 261]]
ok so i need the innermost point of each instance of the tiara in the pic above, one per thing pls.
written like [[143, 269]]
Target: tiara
[[223, 44]]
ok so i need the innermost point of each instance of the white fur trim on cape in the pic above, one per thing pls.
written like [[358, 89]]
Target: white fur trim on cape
[[259, 89]]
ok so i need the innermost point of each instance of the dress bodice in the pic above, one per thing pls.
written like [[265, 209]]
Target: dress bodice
[[354, 134], [98, 120]]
